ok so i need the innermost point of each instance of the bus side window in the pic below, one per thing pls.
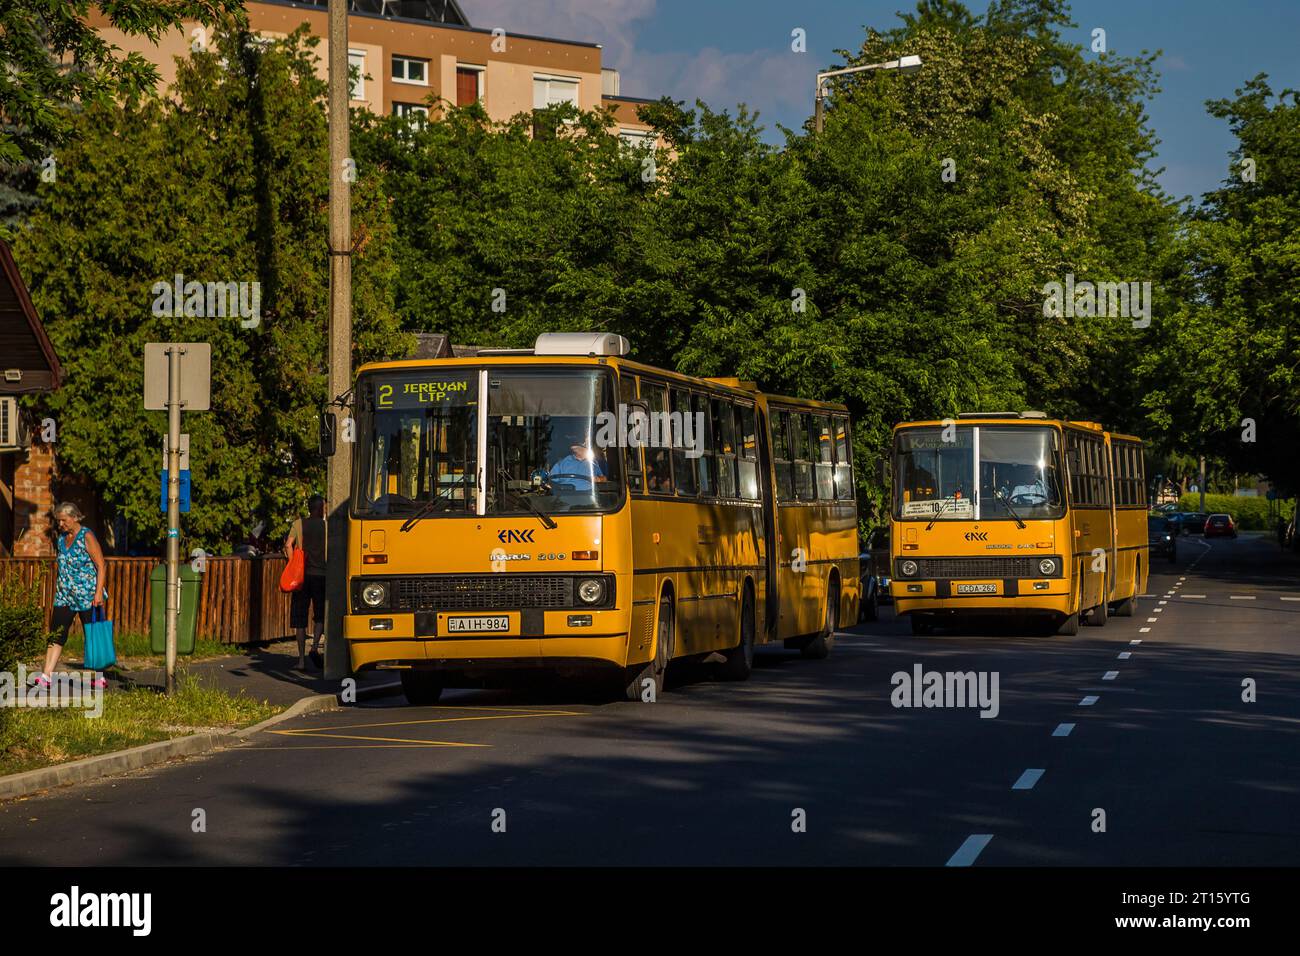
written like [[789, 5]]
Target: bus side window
[[781, 455], [627, 395], [825, 458], [843, 461], [683, 467], [747, 446], [804, 483], [703, 441], [659, 473], [724, 446]]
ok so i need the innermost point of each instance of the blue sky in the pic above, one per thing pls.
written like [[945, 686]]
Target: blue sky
[[732, 51]]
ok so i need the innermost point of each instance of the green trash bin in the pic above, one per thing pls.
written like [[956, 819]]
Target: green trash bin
[[185, 623]]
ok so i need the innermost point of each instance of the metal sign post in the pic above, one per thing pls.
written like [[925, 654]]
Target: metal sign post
[[173, 507], [182, 372]]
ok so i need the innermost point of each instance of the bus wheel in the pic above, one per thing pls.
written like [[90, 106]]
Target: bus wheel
[[819, 648], [422, 688], [635, 677], [740, 659], [1070, 626], [1125, 607], [1097, 617]]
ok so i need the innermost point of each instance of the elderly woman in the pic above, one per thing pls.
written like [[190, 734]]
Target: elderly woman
[[79, 587]]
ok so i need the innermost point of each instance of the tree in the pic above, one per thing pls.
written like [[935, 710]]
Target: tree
[[1237, 335], [225, 180]]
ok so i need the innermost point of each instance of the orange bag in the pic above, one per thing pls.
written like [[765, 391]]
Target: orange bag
[[293, 573]]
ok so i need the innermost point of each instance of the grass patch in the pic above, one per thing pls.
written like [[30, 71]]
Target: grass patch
[[40, 737], [135, 647]]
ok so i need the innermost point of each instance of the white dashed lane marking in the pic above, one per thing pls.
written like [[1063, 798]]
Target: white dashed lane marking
[[1110, 675], [1125, 655], [1028, 779], [1089, 700], [1062, 730], [970, 849]]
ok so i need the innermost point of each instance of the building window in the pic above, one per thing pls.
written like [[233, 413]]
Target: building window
[[410, 109], [469, 84], [409, 69], [550, 90], [638, 140], [357, 70]]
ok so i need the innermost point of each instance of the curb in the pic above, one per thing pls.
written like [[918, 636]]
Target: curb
[[24, 784]]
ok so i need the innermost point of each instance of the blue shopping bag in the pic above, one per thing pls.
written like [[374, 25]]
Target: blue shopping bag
[[99, 641]]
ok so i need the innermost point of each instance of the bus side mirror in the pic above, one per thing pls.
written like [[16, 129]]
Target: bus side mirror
[[328, 434]]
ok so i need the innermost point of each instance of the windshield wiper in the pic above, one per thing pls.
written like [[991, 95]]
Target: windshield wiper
[[430, 506], [1006, 502], [942, 508]]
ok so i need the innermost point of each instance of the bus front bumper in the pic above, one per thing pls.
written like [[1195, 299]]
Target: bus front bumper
[[1000, 596], [546, 636]]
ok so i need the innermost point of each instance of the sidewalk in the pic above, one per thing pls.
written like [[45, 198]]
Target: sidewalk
[[263, 673]]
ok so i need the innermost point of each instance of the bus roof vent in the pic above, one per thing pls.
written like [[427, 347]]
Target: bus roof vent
[[580, 343], [1030, 413]]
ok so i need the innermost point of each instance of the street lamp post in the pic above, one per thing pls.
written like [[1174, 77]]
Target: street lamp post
[[905, 64]]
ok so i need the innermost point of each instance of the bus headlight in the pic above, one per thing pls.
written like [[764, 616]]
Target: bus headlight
[[375, 594], [591, 590], [908, 568], [1047, 567]]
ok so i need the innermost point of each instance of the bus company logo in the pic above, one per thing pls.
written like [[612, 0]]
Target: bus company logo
[[976, 536], [948, 689], [1129, 300], [512, 536], [636, 428], [76, 909]]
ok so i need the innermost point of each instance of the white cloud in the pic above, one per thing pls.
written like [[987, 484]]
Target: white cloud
[[770, 80]]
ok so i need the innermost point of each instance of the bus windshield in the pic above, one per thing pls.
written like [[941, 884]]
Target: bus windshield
[[547, 450], [420, 446], [1019, 469]]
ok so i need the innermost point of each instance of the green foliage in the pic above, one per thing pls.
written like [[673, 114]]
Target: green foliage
[[22, 621], [39, 93], [225, 181], [1249, 513], [1235, 342], [22, 637]]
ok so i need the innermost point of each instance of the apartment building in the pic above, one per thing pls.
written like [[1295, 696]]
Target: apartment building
[[410, 54]]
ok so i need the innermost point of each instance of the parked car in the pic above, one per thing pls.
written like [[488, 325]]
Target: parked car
[[1220, 526], [1193, 522], [1162, 537]]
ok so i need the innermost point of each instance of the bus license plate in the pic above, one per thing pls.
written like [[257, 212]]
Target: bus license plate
[[477, 625], [977, 589]]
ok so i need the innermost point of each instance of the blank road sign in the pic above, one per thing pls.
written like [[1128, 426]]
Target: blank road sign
[[196, 375]]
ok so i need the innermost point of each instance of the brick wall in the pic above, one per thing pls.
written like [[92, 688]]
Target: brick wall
[[34, 477]]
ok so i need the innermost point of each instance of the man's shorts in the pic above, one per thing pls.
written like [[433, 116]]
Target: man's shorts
[[312, 593]]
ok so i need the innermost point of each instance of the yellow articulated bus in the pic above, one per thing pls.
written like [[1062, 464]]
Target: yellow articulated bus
[[1010, 512], [565, 508]]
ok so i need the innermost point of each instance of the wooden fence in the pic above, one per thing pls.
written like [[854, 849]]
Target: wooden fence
[[240, 601]]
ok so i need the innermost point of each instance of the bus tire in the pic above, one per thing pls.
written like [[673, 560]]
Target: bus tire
[[1070, 626], [422, 688], [1098, 616], [1125, 607], [634, 677], [739, 661], [819, 648]]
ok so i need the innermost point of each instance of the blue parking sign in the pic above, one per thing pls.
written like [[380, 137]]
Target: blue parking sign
[[184, 492]]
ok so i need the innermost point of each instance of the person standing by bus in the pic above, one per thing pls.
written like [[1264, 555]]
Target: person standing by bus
[[309, 534], [79, 585]]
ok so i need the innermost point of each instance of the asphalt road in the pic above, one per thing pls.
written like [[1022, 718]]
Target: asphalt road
[[1186, 772]]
